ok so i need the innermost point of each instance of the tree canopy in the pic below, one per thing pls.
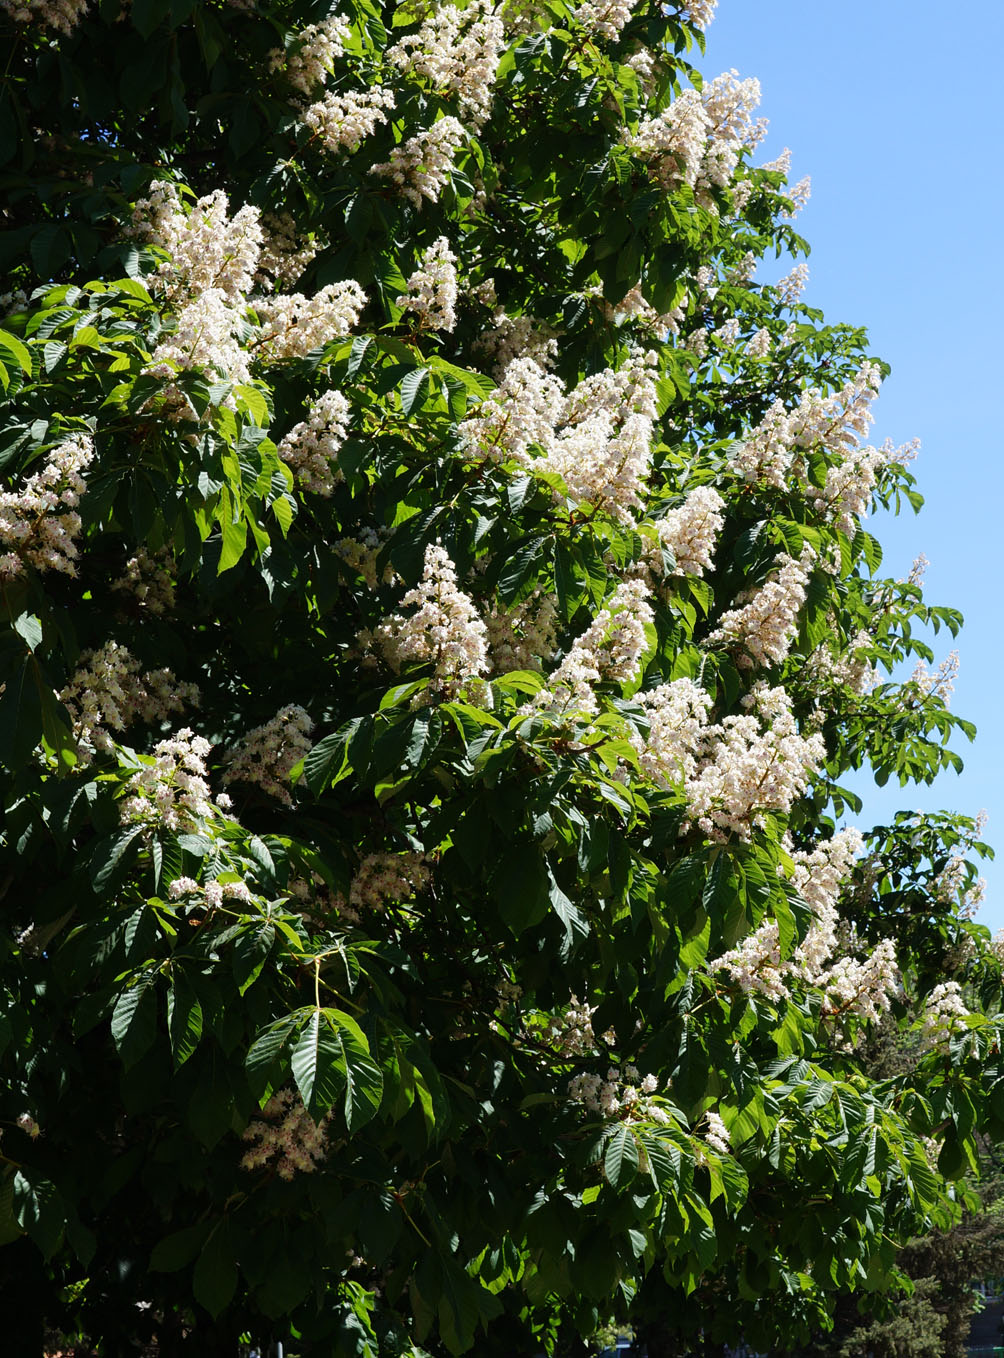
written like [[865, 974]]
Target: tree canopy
[[437, 618]]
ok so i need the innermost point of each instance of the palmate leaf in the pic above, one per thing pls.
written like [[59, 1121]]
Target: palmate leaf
[[331, 1056]]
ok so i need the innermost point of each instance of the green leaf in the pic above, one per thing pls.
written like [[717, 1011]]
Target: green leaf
[[215, 1279], [521, 886], [20, 351], [134, 1021], [318, 1065], [413, 386], [184, 1019], [620, 1159], [111, 856], [178, 1249], [39, 1210]]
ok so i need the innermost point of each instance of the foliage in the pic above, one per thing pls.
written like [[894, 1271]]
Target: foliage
[[516, 1004]]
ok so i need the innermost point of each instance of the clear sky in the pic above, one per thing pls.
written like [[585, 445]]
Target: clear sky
[[894, 108]]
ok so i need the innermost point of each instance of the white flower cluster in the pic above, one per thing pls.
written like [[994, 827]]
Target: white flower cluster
[[208, 248], [677, 715], [108, 692], [624, 1095], [309, 60], [384, 877], [457, 50], [760, 344], [62, 15], [212, 894], [603, 451], [293, 324], [444, 630], [148, 580], [421, 165], [941, 1008], [715, 1132], [519, 638], [849, 668], [521, 411], [698, 139], [342, 122], [284, 252], [570, 1032], [751, 764], [39, 522], [766, 625], [835, 423], [633, 306], [265, 756], [790, 288], [604, 18], [432, 288], [311, 447], [285, 1137], [516, 337], [817, 876], [171, 790], [755, 964], [938, 685], [689, 531], [208, 333], [862, 988], [851, 986], [608, 651], [361, 554]]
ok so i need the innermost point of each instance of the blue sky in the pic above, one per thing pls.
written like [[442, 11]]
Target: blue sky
[[893, 107]]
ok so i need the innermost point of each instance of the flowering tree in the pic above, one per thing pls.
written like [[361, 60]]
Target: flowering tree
[[437, 617]]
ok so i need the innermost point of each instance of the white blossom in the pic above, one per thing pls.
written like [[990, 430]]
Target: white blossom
[[523, 410], [444, 629], [284, 253], [521, 637], [792, 285], [149, 581], [766, 624], [421, 165], [342, 122], [699, 12], [457, 50], [311, 447], [171, 789], [62, 15], [432, 288], [608, 651], [39, 522], [266, 755], [108, 691], [293, 324], [677, 715], [941, 1008], [285, 1137], [388, 877], [752, 763], [604, 18], [310, 58]]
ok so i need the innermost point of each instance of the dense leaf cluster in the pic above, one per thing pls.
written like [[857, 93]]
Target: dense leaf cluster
[[165, 980]]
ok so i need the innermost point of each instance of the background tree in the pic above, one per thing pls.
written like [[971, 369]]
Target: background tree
[[437, 616]]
